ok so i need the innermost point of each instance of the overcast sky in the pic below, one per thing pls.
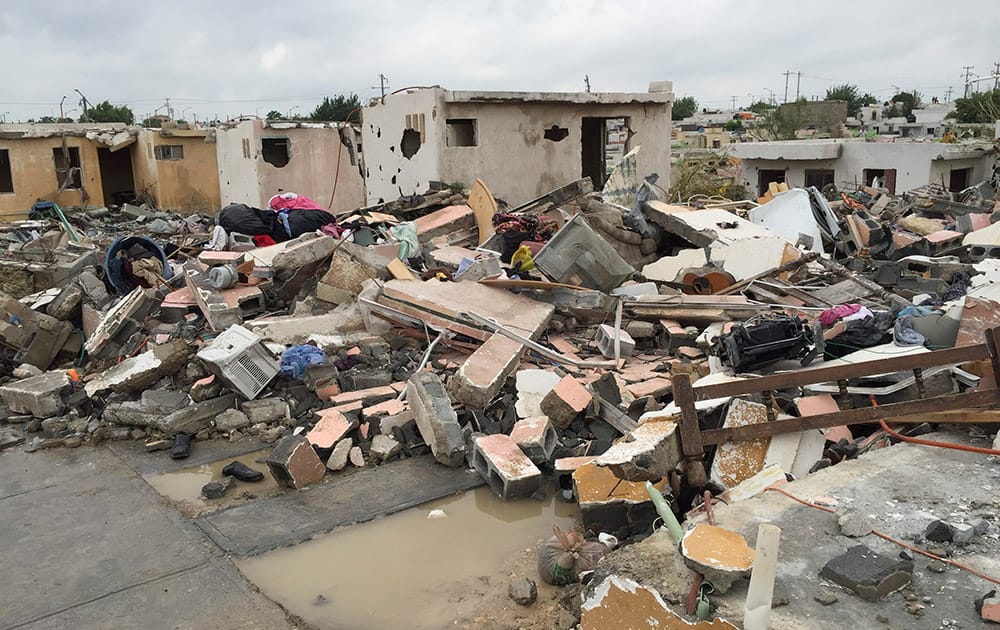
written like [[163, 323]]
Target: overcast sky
[[222, 58]]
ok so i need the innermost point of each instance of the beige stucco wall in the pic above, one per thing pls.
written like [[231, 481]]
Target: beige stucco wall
[[34, 175], [511, 156], [244, 177]]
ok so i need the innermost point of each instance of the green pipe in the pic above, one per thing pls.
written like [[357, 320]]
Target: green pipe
[[673, 526]]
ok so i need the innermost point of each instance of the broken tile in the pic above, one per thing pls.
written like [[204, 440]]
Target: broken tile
[[719, 554]]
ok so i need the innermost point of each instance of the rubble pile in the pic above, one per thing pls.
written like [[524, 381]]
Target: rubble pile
[[574, 336]]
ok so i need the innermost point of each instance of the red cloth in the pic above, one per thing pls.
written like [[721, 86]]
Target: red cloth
[[830, 316], [263, 240], [286, 201]]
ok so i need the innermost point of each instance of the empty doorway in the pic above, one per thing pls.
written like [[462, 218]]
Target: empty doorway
[[117, 179], [959, 179], [604, 141], [766, 176]]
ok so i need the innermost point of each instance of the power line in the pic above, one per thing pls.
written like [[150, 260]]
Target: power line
[[968, 73]]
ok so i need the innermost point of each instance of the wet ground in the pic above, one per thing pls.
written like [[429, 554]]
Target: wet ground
[[407, 570], [183, 487]]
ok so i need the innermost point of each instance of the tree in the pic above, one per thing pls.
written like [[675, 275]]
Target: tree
[[908, 101], [684, 108], [106, 112], [337, 108], [760, 107], [734, 125], [152, 122], [782, 123], [981, 107], [849, 93], [274, 115]]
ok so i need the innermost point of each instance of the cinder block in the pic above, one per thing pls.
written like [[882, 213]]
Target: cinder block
[[606, 341], [293, 462], [566, 401], [506, 469], [435, 418], [536, 437]]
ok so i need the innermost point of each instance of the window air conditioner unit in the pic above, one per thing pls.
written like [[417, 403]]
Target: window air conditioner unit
[[240, 360]]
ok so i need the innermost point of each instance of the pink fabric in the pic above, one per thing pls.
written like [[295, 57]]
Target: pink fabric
[[288, 202], [830, 316]]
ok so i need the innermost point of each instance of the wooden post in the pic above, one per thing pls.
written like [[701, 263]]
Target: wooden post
[[691, 444]]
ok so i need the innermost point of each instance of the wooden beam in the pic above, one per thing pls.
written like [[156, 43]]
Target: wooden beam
[[849, 417]]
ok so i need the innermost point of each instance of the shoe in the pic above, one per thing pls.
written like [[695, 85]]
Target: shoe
[[242, 472], [181, 447]]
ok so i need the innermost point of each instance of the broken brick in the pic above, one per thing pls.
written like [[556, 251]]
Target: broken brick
[[293, 463]]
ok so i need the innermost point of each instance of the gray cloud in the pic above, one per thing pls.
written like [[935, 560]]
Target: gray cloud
[[227, 58]]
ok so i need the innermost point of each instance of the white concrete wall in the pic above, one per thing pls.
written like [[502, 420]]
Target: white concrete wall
[[517, 162], [511, 154], [389, 175], [237, 164]]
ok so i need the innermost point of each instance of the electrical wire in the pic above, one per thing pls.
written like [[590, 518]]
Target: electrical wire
[[913, 440], [902, 544]]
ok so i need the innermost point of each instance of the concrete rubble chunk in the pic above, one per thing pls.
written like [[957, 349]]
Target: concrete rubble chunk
[[339, 456], [293, 462], [867, 573], [218, 488], [384, 447], [619, 602], [163, 401], [721, 555], [196, 417], [737, 461], [612, 505], [331, 427], [506, 469], [648, 453], [436, 420], [41, 396], [356, 457], [264, 409], [536, 437], [231, 420], [142, 370], [564, 402]]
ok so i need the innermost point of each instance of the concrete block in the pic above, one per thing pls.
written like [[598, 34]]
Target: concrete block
[[302, 251], [293, 462], [719, 554], [444, 221], [506, 469], [436, 420], [41, 396], [532, 387], [606, 341], [870, 575], [163, 401], [536, 437], [384, 447], [482, 376], [264, 409], [667, 268], [653, 450], [331, 428], [962, 533], [391, 407], [356, 457], [564, 468], [66, 303], [737, 461], [368, 396], [341, 453], [567, 400]]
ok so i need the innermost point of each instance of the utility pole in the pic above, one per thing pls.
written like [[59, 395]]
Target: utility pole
[[86, 115], [170, 110], [968, 73], [383, 82], [734, 102], [996, 75], [798, 80], [586, 81], [786, 73], [947, 95]]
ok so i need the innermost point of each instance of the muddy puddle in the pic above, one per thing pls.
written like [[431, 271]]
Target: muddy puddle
[[183, 487], [408, 570]]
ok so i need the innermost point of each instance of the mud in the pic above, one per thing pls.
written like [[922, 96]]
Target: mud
[[408, 570], [182, 488]]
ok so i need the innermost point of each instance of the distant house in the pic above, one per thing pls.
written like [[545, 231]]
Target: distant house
[[98, 164], [523, 144], [898, 166]]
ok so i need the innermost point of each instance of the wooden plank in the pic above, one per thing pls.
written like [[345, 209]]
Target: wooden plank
[[851, 416], [822, 375], [484, 206], [691, 435]]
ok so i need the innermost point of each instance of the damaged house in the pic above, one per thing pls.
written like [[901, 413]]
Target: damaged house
[[425, 135], [261, 158]]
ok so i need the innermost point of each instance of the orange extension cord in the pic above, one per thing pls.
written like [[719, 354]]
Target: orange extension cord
[[911, 440]]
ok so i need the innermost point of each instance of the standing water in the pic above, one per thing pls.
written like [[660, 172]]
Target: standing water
[[407, 570]]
